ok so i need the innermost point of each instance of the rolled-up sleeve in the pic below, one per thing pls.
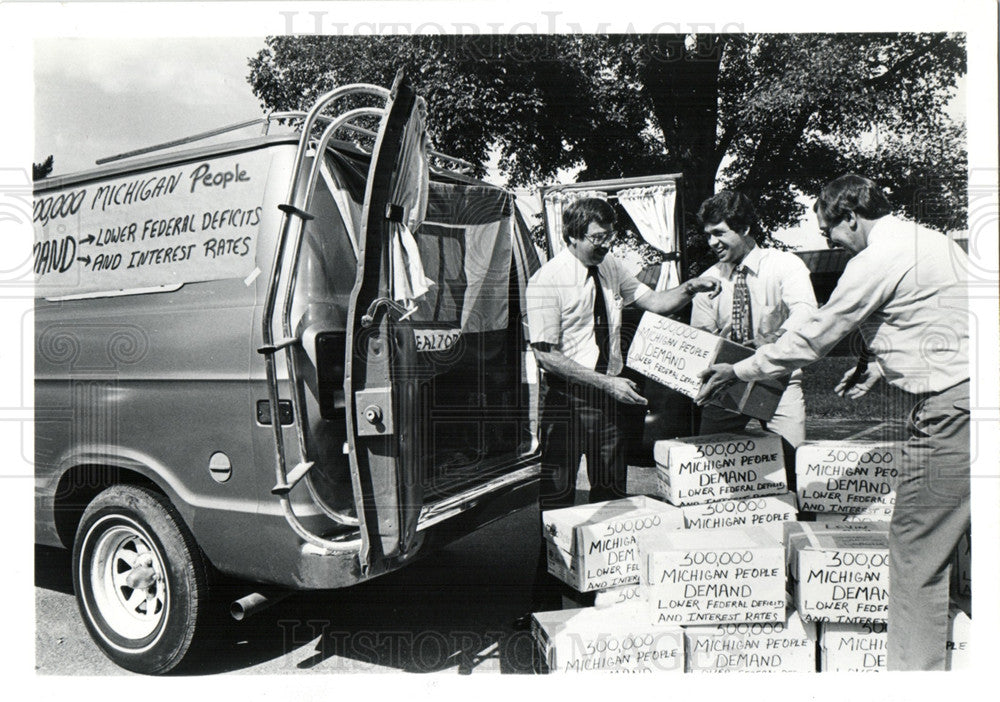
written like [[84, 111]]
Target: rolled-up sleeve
[[629, 287], [864, 287]]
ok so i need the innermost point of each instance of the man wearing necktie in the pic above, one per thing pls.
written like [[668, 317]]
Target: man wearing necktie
[[764, 293], [574, 306], [905, 288]]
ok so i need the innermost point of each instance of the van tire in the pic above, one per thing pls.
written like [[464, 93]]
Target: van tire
[[140, 579]]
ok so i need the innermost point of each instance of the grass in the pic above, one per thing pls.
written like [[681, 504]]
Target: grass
[[882, 403]]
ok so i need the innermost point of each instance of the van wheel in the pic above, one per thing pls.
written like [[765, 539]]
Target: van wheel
[[140, 579]]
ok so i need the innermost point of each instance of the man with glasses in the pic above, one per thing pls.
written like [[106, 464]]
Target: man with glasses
[[764, 292], [905, 289], [574, 306]]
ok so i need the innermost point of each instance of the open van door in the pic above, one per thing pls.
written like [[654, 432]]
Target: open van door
[[388, 498]]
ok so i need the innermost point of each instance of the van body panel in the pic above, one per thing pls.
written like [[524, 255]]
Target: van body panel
[[157, 383]]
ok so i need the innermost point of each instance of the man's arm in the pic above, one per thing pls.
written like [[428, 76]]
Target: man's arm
[[667, 301], [865, 286], [796, 293], [554, 362]]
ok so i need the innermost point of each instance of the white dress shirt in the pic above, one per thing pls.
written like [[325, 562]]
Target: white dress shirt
[[560, 307], [781, 294], [907, 292]]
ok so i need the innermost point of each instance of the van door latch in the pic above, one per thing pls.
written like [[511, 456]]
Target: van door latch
[[373, 412], [385, 303]]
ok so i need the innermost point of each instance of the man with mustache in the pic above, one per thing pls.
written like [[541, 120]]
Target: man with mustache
[[905, 288], [574, 305], [764, 292]]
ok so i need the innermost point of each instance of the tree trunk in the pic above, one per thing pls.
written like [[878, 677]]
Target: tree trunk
[[683, 87]]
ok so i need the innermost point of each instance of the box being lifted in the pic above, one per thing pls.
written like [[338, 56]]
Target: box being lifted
[[675, 354], [596, 546], [619, 640], [840, 576], [699, 469], [848, 477], [716, 576]]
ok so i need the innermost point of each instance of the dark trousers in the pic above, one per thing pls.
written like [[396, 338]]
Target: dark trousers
[[579, 420], [576, 420]]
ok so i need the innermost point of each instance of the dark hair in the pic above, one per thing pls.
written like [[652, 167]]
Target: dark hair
[[578, 215], [851, 193], [733, 208]]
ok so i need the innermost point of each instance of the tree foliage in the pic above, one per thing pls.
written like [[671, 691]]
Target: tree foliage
[[776, 115], [43, 169]]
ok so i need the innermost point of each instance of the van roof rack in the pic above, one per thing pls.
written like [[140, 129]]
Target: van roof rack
[[455, 163]]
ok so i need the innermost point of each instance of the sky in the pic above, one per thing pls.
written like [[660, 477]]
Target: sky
[[100, 97]]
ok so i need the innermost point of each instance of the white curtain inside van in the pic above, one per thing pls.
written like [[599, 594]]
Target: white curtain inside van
[[653, 210]]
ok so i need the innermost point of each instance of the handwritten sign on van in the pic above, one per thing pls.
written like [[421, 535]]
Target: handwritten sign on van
[[178, 224]]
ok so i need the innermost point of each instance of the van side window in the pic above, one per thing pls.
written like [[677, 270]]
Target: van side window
[[328, 260]]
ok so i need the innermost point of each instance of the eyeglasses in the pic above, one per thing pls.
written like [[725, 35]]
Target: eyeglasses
[[603, 240]]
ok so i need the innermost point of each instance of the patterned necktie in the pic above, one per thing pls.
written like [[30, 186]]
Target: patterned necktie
[[742, 329], [601, 333]]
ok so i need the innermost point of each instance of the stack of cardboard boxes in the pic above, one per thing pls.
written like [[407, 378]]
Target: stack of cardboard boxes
[[713, 572], [695, 577], [696, 583]]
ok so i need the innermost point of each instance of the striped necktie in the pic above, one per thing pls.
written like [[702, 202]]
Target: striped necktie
[[601, 332], [742, 329]]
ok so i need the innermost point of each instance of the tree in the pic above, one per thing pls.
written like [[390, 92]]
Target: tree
[[775, 115], [43, 169]]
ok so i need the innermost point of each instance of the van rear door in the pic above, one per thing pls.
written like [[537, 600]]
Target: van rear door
[[388, 499]]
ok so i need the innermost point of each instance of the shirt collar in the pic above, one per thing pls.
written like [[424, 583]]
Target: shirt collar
[[751, 261], [580, 271], [882, 227]]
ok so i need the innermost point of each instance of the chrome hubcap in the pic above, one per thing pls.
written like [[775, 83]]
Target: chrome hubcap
[[127, 581]]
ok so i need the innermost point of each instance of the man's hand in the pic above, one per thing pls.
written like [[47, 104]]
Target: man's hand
[[860, 385], [624, 390], [703, 285], [714, 379]]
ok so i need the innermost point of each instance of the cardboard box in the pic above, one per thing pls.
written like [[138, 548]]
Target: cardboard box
[[854, 648], [769, 512], [595, 546], [714, 467], [788, 646], [716, 576], [874, 517], [675, 354], [592, 640], [636, 595], [839, 575], [863, 647], [848, 477], [824, 524]]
